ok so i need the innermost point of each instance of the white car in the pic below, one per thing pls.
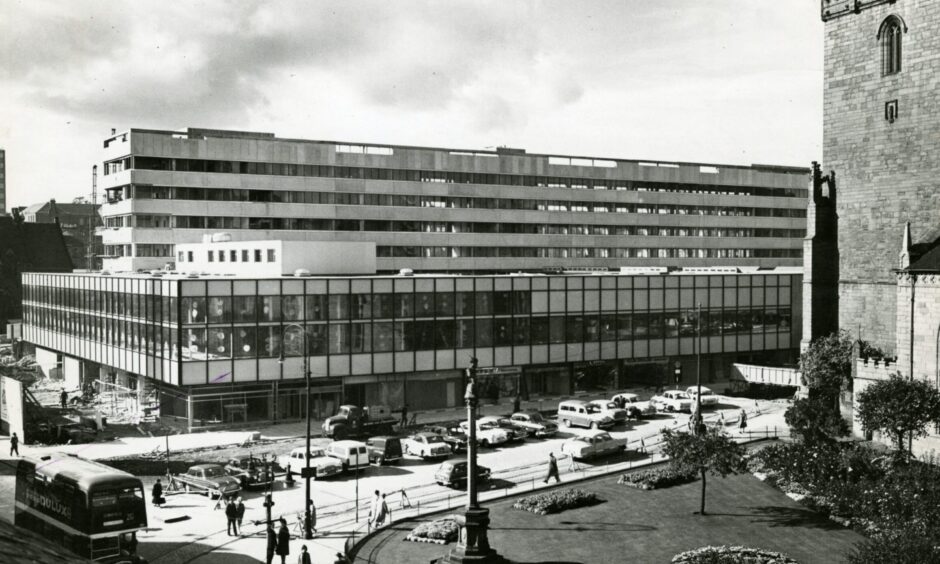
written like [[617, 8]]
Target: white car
[[324, 466], [610, 409], [635, 407], [513, 434], [592, 445], [672, 400], [426, 445], [709, 398], [487, 436]]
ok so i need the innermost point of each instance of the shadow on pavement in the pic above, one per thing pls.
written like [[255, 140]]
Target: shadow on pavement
[[779, 516], [164, 552]]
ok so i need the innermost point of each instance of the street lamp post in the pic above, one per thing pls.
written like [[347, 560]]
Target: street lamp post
[[473, 546], [697, 344], [308, 523]]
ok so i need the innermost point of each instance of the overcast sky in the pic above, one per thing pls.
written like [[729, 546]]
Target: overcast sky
[[724, 81]]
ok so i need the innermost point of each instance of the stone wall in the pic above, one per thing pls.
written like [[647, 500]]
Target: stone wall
[[887, 171]]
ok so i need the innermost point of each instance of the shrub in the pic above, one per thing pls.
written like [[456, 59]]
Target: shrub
[[731, 555], [657, 478], [556, 501], [897, 548], [440, 531]]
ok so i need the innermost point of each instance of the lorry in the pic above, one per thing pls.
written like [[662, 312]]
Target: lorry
[[209, 479], [353, 421]]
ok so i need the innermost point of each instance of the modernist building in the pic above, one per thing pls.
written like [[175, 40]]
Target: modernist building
[[222, 349], [79, 222], [443, 210]]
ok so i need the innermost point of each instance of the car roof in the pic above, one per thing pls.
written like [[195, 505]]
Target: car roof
[[204, 466], [347, 443], [426, 434]]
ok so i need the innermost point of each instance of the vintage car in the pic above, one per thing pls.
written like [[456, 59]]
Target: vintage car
[[709, 398], [324, 466], [579, 413], [209, 479], [384, 450], [251, 471], [452, 435], [488, 436], [534, 424], [426, 445], [453, 473], [672, 400], [592, 445], [636, 408], [610, 409], [514, 434]]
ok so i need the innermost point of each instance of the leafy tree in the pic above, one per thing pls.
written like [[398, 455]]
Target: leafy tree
[[899, 407], [897, 547], [826, 365], [815, 420], [710, 452]]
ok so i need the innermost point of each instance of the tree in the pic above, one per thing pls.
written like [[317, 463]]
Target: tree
[[899, 407], [711, 452], [815, 420], [826, 365]]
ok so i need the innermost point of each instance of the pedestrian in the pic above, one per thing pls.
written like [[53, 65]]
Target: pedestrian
[[382, 514], [374, 507], [552, 469], [304, 556], [231, 513], [405, 502], [157, 494], [619, 401], [742, 420], [516, 404], [239, 512], [272, 543], [283, 541], [404, 415], [313, 516], [290, 476], [64, 398], [14, 445]]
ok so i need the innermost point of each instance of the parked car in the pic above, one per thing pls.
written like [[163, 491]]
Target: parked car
[[672, 400], [489, 436], [323, 466], [453, 436], [534, 424], [582, 414], [351, 454], [384, 450], [250, 471], [709, 398], [593, 445], [609, 408], [209, 479], [453, 473], [514, 434], [636, 408], [426, 445]]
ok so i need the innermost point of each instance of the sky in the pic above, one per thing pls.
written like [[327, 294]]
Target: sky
[[722, 81]]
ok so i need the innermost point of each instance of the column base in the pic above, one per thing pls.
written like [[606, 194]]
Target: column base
[[473, 546]]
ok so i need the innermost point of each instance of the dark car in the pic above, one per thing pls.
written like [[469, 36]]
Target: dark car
[[250, 471], [453, 473], [456, 438], [384, 450]]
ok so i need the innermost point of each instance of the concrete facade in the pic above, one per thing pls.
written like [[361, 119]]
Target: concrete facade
[[276, 258], [444, 210], [886, 163]]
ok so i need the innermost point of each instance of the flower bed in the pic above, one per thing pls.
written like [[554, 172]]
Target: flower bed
[[439, 531], [656, 478], [731, 555], [556, 501]]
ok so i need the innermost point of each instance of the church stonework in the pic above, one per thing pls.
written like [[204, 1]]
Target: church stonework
[[880, 137]]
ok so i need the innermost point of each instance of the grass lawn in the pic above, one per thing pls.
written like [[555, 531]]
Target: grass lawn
[[645, 527]]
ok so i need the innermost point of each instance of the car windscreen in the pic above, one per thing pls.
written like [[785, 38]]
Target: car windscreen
[[434, 439], [214, 472]]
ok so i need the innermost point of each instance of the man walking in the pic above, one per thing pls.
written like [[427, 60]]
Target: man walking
[[64, 398], [404, 415], [14, 445], [231, 513], [552, 469], [239, 512], [516, 404], [374, 510], [157, 494], [742, 421], [272, 543], [283, 541]]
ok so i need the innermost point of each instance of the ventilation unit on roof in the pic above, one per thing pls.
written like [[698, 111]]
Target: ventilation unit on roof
[[406, 272], [221, 237], [302, 272]]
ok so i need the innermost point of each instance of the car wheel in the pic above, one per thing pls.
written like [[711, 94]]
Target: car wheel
[[187, 488], [484, 443], [345, 467], [566, 422], [670, 409], [593, 424]]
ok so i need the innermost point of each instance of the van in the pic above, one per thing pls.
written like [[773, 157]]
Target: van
[[351, 454], [579, 413], [384, 450]]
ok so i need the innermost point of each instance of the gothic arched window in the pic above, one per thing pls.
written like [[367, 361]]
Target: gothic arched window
[[889, 37]]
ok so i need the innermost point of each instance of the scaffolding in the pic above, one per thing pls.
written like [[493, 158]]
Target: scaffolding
[[121, 404]]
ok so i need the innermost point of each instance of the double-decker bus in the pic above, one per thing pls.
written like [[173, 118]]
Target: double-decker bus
[[82, 505]]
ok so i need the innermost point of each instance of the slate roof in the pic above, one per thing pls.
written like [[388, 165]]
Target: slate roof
[[38, 247]]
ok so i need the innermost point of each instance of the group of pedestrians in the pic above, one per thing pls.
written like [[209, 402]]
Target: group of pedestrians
[[379, 511], [235, 512]]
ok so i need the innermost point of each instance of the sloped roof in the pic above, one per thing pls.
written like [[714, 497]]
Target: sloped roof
[[38, 247]]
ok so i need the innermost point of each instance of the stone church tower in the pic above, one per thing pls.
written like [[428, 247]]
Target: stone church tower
[[882, 138], [820, 260]]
